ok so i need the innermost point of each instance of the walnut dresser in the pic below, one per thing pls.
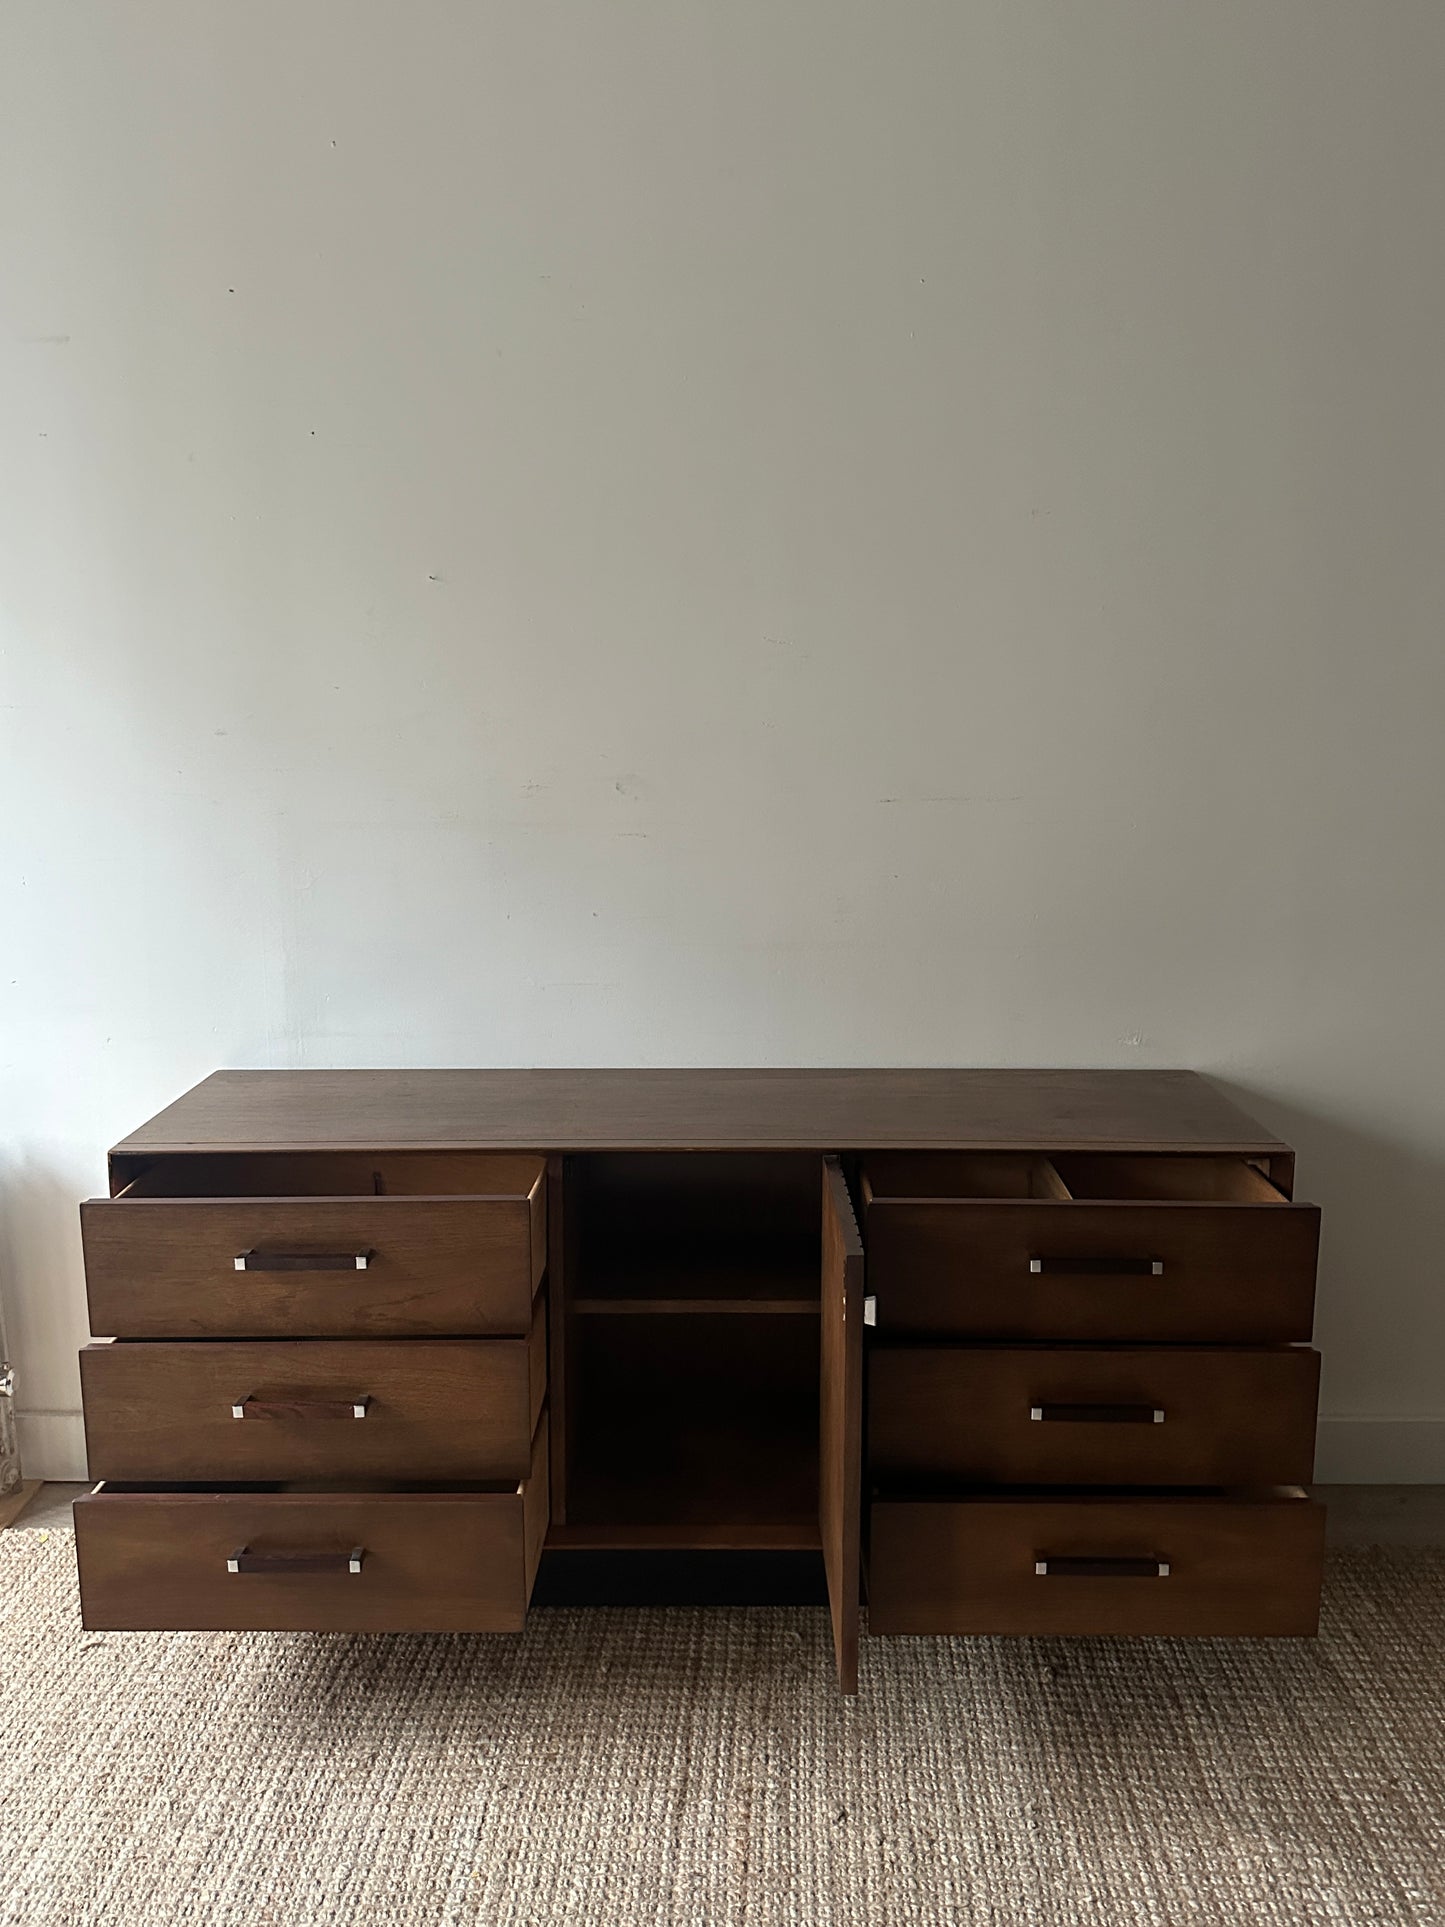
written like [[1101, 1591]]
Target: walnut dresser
[[985, 1351]]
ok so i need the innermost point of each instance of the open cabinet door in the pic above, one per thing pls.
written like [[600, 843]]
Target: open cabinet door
[[840, 1453]]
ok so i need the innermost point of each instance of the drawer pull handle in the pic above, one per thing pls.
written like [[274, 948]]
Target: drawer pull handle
[[1102, 1568], [303, 1260], [272, 1408], [1096, 1267], [244, 1560], [1097, 1414]]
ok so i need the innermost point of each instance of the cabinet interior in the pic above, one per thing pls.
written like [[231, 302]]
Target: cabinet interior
[[692, 1359]]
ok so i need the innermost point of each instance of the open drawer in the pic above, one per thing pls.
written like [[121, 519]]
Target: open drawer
[[1137, 1415], [319, 1245], [314, 1408], [278, 1560], [1157, 1563], [1015, 1246]]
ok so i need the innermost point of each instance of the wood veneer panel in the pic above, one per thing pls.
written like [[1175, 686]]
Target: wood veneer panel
[[561, 1110], [559, 1290], [432, 1561], [840, 1469], [434, 1409], [964, 1415], [694, 1282], [166, 1267], [787, 1532], [1250, 1568], [1082, 1269]]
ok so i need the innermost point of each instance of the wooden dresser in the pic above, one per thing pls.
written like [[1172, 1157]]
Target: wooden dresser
[[988, 1351]]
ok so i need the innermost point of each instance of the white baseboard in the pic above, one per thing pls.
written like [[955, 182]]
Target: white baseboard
[[1351, 1451], [52, 1445], [1380, 1451]]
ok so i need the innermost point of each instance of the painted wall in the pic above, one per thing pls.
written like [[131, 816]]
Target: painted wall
[[671, 533]]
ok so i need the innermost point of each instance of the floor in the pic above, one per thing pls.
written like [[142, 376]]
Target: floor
[[688, 1768], [50, 1506], [1359, 1515], [16, 1500], [1384, 1515]]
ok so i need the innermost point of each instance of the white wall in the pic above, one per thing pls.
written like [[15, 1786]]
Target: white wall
[[654, 532]]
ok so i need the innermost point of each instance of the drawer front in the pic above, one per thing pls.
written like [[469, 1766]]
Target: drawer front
[[455, 1267], [1090, 1270], [317, 1409], [312, 1562], [1096, 1566], [1055, 1416]]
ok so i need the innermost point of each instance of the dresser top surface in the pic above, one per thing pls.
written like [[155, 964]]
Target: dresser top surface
[[698, 1110]]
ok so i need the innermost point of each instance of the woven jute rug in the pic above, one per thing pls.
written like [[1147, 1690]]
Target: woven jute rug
[[685, 1767]]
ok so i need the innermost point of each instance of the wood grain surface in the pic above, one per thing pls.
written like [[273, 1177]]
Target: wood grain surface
[[433, 1562], [575, 1110], [964, 1267], [840, 1453], [454, 1267], [963, 1415], [437, 1409], [1248, 1568]]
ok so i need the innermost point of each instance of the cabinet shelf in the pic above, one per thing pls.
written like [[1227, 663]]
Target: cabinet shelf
[[767, 1285]]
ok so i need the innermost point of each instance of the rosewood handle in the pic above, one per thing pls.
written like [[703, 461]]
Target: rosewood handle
[[1096, 1267], [254, 1408], [244, 1560], [1097, 1414], [303, 1260], [1102, 1568]]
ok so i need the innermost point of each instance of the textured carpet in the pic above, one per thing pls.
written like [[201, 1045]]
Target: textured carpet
[[696, 1767]]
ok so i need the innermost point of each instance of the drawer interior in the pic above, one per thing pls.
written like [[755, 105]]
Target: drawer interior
[[1193, 1180], [311, 1488], [344, 1174], [1159, 1179], [948, 1174], [941, 1494]]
